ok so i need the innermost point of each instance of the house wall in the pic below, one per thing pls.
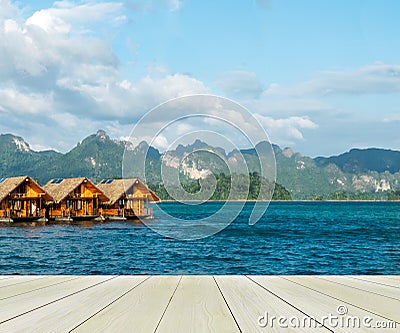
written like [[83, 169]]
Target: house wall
[[134, 207], [24, 201], [74, 207], [81, 202]]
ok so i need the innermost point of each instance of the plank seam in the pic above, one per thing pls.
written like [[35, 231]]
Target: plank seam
[[49, 285], [13, 284], [375, 282], [59, 299], [226, 302], [118, 298], [295, 307], [367, 291], [169, 302], [338, 299]]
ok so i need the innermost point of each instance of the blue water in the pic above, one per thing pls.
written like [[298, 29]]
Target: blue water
[[291, 238]]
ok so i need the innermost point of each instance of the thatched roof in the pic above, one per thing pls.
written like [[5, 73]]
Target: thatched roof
[[8, 185], [60, 188], [116, 189]]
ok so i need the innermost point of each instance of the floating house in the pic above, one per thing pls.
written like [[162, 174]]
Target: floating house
[[74, 199], [129, 199], [22, 199]]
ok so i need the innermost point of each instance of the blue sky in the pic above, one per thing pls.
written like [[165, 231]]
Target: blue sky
[[320, 76]]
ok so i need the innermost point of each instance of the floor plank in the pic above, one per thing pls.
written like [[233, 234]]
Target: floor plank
[[21, 304], [64, 315], [195, 303], [140, 310], [18, 279], [364, 285], [32, 285], [388, 281], [253, 307], [313, 303], [380, 305], [197, 306]]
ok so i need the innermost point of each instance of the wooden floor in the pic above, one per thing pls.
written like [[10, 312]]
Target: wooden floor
[[199, 303]]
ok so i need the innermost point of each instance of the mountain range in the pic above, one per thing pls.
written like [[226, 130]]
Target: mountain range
[[371, 171]]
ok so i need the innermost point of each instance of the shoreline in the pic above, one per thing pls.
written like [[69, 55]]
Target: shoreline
[[281, 201]]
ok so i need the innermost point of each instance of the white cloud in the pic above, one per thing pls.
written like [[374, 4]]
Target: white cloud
[[175, 4], [240, 83], [391, 118], [54, 68], [16, 102], [7, 10], [372, 79], [64, 14], [286, 130]]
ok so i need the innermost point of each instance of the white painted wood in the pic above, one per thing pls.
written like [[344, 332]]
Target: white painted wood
[[29, 286], [138, 311], [3, 277], [64, 315], [18, 305], [380, 305], [379, 279], [313, 303], [257, 310], [197, 306], [127, 304], [18, 279], [365, 285]]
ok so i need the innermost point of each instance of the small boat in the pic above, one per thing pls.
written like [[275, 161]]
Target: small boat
[[6, 220]]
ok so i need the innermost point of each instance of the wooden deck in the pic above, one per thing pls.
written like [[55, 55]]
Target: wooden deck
[[199, 304]]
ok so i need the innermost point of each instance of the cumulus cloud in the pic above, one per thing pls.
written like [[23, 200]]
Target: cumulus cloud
[[7, 10], [55, 67], [286, 130]]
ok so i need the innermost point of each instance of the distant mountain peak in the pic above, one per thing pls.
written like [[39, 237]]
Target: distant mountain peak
[[21, 144], [288, 152], [102, 135], [364, 160], [143, 146], [15, 141]]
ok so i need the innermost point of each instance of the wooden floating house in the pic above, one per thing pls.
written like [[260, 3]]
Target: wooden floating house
[[74, 199], [128, 199], [22, 200]]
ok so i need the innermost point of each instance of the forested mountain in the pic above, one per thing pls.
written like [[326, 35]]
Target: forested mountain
[[366, 174], [364, 160]]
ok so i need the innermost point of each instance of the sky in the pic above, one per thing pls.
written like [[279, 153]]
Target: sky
[[321, 77]]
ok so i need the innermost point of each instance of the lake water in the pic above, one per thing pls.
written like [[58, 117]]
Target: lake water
[[291, 238]]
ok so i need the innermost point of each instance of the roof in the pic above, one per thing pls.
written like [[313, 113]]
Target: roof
[[60, 188], [117, 188], [8, 185]]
